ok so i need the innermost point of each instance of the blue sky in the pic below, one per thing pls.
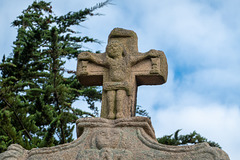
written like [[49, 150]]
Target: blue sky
[[201, 41]]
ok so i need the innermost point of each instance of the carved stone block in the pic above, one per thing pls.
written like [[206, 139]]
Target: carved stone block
[[120, 139]]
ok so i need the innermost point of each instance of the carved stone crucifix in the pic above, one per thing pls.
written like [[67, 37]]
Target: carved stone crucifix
[[120, 70]]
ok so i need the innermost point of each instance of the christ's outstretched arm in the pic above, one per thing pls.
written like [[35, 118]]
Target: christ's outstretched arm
[[95, 58], [150, 54]]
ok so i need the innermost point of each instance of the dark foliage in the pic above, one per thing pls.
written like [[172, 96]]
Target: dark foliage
[[192, 138], [36, 94]]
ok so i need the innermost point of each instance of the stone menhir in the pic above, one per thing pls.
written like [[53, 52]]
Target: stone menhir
[[120, 70], [118, 134]]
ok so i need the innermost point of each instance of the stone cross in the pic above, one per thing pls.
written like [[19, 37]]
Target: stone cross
[[120, 70]]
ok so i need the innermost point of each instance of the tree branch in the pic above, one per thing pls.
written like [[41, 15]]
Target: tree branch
[[18, 119]]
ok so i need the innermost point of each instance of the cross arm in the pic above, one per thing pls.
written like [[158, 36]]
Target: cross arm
[[142, 56], [90, 68], [152, 69], [92, 57]]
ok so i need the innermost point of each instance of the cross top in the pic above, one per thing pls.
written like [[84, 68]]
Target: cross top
[[120, 70], [127, 38]]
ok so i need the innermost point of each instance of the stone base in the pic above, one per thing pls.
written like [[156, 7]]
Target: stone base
[[120, 139]]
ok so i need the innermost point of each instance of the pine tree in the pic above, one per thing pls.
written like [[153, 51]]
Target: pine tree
[[36, 95], [192, 138]]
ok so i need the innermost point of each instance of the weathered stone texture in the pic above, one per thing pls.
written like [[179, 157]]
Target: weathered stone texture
[[118, 135], [120, 139], [120, 70]]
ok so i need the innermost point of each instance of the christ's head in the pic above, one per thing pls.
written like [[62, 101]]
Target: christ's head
[[114, 50]]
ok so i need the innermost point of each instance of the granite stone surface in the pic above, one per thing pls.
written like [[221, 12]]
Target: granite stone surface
[[118, 134]]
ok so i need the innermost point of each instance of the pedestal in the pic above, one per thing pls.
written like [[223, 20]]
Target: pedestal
[[121, 139]]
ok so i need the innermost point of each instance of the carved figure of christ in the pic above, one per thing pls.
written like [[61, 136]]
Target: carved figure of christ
[[120, 70]]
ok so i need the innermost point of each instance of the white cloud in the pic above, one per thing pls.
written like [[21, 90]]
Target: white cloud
[[201, 42], [8, 13], [196, 30], [213, 121]]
